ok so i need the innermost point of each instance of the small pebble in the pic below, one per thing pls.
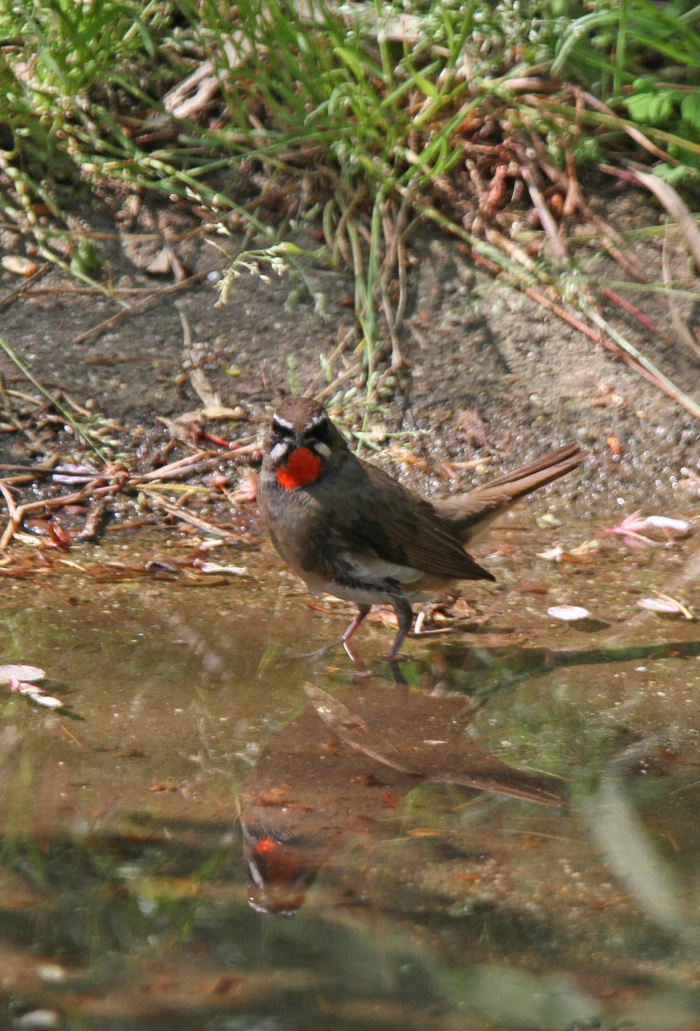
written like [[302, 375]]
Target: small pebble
[[51, 973], [38, 1020]]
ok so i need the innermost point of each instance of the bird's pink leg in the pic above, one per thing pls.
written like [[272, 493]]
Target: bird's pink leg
[[363, 610]]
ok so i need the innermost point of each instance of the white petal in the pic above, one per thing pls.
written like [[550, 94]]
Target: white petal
[[214, 567], [664, 603], [658, 605], [568, 612], [552, 554], [47, 700], [19, 672], [663, 522]]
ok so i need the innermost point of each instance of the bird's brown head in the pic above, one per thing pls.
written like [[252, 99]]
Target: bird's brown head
[[302, 442]]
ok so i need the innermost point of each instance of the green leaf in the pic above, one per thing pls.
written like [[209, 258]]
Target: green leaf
[[652, 108], [86, 258], [645, 84], [690, 109], [351, 60], [425, 85], [678, 175]]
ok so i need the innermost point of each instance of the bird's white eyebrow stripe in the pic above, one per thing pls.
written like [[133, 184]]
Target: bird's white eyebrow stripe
[[317, 420], [283, 423]]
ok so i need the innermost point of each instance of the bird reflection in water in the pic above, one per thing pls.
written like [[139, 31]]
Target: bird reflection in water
[[337, 773]]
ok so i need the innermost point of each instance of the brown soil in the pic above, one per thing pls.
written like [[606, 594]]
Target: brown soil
[[491, 375]]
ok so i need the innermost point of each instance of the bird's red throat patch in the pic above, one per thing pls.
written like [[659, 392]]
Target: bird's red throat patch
[[303, 467]]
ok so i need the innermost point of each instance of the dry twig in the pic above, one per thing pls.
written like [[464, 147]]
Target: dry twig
[[185, 516], [139, 306]]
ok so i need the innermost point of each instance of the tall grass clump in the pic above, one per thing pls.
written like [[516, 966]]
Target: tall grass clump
[[373, 117]]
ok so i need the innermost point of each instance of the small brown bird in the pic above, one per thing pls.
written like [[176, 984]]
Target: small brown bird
[[349, 529]]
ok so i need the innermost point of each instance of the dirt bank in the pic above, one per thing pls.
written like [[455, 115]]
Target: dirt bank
[[492, 376]]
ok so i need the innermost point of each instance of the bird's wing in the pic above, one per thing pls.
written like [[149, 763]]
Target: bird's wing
[[383, 518]]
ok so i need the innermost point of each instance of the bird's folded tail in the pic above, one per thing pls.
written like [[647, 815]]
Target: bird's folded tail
[[470, 514]]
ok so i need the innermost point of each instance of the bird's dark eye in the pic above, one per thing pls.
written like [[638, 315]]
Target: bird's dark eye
[[320, 430], [281, 429]]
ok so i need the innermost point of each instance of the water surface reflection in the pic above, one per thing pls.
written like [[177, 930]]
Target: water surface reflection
[[510, 840]]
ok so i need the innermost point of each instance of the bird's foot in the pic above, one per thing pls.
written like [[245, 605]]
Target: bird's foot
[[392, 657], [360, 668], [320, 653], [317, 653]]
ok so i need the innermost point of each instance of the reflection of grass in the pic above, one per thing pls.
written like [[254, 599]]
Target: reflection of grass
[[372, 120], [483, 673], [18, 767], [108, 896], [541, 727]]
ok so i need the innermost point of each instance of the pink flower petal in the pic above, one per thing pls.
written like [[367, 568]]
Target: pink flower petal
[[658, 605], [17, 671], [664, 523]]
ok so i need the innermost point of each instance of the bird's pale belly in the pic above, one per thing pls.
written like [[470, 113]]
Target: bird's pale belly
[[367, 595], [365, 579]]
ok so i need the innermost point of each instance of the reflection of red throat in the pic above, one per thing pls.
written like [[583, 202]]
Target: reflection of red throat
[[303, 467]]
